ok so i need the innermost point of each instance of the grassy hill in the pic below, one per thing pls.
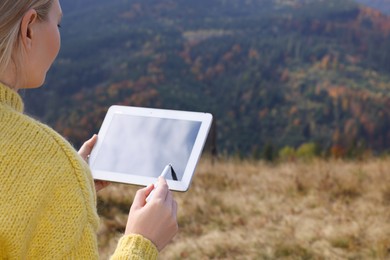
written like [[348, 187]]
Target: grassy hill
[[251, 210], [273, 73]]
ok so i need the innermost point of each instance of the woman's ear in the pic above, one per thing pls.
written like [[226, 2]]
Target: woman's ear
[[27, 27]]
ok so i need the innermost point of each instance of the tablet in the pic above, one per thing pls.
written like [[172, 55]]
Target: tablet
[[136, 144]]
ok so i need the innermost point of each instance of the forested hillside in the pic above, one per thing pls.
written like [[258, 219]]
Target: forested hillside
[[382, 5], [273, 73]]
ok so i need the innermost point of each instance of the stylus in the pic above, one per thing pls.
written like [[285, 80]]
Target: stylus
[[165, 171], [163, 174]]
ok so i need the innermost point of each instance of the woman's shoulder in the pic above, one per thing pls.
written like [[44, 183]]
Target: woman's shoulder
[[29, 142], [31, 136], [32, 150]]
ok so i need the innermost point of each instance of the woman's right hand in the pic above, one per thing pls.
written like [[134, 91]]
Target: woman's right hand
[[155, 220]]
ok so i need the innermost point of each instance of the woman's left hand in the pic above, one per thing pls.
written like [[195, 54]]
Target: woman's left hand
[[84, 152]]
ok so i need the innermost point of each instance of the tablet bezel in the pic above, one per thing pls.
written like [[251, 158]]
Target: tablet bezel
[[204, 118]]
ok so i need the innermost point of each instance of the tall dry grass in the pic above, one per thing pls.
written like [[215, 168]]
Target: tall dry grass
[[253, 210]]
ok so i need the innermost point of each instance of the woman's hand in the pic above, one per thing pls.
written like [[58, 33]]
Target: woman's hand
[[155, 220], [84, 152]]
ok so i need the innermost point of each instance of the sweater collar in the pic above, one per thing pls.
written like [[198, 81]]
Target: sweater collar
[[10, 98]]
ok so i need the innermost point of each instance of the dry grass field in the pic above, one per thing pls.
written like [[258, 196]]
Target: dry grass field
[[253, 210]]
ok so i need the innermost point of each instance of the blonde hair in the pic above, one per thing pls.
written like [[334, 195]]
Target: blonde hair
[[12, 12]]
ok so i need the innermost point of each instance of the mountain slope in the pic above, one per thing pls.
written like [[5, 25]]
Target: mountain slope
[[273, 73], [381, 5]]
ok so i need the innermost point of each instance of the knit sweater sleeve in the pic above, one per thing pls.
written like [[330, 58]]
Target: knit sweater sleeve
[[135, 247]]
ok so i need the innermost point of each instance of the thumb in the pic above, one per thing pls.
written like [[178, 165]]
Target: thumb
[[86, 148]]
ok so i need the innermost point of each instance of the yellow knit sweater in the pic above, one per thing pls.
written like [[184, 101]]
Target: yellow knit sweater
[[47, 194]]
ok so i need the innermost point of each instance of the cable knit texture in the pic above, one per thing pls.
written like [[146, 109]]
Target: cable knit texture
[[47, 194], [135, 246]]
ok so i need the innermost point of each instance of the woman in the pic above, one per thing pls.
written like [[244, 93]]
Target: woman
[[47, 194]]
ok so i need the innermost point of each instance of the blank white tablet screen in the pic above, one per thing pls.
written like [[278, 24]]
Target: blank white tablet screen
[[144, 146]]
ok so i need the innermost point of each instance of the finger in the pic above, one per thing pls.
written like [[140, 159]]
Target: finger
[[170, 204], [99, 185], [86, 148], [89, 144], [140, 197], [149, 189], [162, 190], [174, 209], [169, 200]]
